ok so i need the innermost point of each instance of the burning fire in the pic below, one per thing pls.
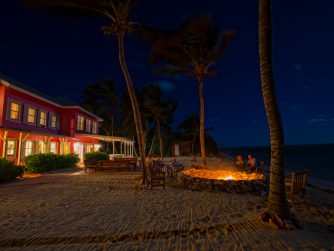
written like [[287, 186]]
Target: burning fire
[[219, 174]]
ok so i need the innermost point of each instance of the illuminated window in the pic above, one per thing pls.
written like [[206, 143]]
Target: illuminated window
[[41, 147], [89, 148], [54, 121], [65, 148], [42, 118], [14, 111], [31, 115], [11, 147], [80, 123], [94, 127], [28, 150], [53, 147], [88, 125]]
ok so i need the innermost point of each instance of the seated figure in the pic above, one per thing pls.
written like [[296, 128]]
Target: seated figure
[[251, 163], [176, 165], [239, 162]]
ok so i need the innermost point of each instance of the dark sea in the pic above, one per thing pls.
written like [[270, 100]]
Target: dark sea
[[318, 160]]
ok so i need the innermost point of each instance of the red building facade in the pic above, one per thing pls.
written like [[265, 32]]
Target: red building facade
[[32, 122]]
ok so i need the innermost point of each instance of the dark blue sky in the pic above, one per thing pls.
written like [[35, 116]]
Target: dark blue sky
[[60, 57]]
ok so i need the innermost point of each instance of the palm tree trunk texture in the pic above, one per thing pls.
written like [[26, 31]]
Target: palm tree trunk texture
[[160, 139], [277, 202], [134, 103], [201, 127]]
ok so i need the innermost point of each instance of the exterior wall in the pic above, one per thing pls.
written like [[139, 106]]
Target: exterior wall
[[184, 148], [25, 99], [67, 116]]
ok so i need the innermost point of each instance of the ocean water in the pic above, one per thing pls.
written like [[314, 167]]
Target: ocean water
[[318, 160]]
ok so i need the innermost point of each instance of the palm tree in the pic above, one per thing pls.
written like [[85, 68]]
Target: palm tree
[[192, 51], [101, 99], [190, 128], [117, 12], [160, 110], [277, 202]]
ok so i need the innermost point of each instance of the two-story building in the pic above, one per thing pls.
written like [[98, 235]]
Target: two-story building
[[32, 122]]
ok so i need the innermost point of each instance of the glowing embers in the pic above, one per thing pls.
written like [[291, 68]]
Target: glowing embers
[[217, 174], [222, 180]]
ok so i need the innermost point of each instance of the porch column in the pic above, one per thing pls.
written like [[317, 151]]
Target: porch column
[[4, 140], [113, 147], [19, 149]]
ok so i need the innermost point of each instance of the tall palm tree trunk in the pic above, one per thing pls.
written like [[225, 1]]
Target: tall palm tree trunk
[[134, 103], [160, 139], [201, 123], [277, 202]]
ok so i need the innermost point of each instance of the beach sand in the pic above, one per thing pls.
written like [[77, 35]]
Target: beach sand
[[109, 210]]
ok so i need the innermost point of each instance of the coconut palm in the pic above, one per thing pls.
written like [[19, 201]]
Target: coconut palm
[[117, 12], [277, 202], [192, 51], [158, 109], [101, 99]]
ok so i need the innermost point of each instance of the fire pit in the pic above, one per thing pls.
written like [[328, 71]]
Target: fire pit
[[222, 180]]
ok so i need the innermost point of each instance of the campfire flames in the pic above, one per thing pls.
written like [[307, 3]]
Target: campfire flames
[[218, 174]]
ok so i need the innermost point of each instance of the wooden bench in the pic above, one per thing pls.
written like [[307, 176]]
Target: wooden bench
[[113, 165], [296, 184], [132, 162], [156, 178], [92, 164]]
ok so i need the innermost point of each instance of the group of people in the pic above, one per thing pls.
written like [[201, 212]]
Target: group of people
[[169, 169], [250, 165]]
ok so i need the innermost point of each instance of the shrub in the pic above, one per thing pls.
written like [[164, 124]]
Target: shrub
[[97, 156], [8, 171], [45, 162]]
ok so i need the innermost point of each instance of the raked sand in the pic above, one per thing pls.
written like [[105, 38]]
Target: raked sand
[[109, 211]]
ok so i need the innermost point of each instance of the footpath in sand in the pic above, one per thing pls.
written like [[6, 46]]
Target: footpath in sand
[[69, 211]]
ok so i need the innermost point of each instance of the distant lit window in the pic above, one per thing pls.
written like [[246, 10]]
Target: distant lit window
[[28, 148], [89, 148], [31, 115], [41, 147], [65, 148], [94, 129], [80, 123], [42, 118], [14, 111], [53, 147], [88, 125], [11, 145], [54, 121]]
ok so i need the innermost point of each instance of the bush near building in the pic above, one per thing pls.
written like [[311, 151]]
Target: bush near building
[[8, 170], [45, 162], [96, 156]]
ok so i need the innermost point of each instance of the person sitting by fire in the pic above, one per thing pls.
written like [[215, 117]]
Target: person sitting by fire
[[239, 162], [251, 163], [176, 165]]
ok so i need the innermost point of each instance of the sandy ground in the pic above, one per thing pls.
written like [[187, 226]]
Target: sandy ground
[[109, 211]]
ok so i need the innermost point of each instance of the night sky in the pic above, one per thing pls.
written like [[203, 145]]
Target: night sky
[[60, 57]]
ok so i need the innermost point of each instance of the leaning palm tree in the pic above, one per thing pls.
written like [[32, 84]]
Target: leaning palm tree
[[192, 51], [277, 202], [117, 12], [158, 109]]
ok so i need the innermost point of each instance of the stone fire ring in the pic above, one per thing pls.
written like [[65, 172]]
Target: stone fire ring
[[230, 186]]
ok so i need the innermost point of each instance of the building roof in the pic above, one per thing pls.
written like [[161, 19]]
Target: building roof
[[58, 101]]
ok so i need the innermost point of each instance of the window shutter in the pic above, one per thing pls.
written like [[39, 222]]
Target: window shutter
[[9, 101], [50, 119], [58, 122], [25, 114]]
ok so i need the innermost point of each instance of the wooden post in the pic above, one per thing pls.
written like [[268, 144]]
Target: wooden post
[[4, 148], [19, 149]]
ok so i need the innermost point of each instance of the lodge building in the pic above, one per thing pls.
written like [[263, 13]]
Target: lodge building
[[32, 122]]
